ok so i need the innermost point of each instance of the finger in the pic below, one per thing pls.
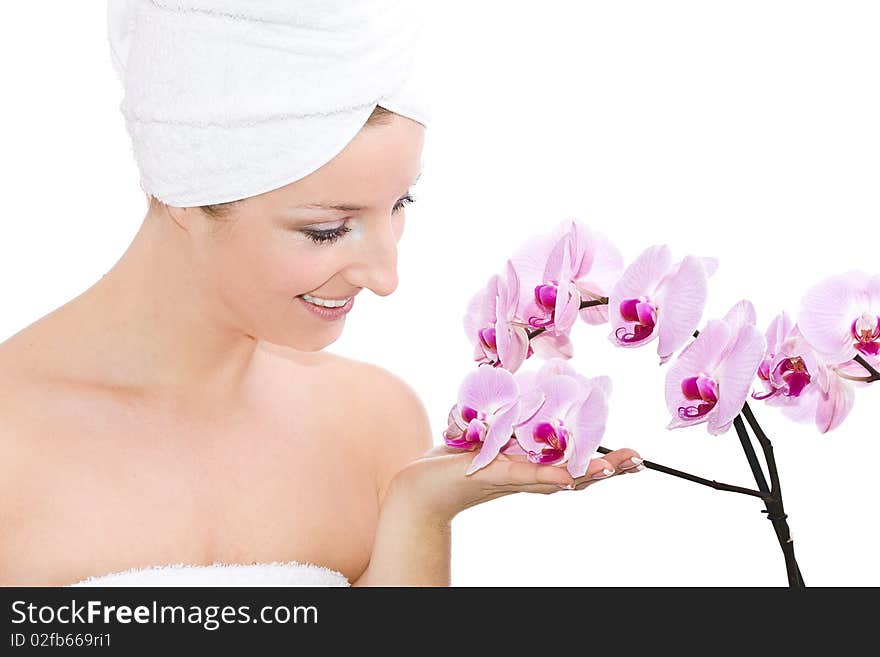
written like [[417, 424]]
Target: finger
[[543, 489], [624, 460], [526, 473], [598, 469]]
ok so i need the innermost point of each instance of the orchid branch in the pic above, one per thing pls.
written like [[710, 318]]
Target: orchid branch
[[875, 375], [700, 480], [601, 301], [775, 511]]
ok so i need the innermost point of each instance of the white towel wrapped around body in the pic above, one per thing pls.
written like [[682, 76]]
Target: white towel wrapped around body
[[227, 99], [276, 573]]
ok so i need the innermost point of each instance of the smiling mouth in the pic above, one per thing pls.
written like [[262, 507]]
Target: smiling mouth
[[326, 303]]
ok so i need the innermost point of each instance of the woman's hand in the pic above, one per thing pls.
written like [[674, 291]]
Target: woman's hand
[[438, 487]]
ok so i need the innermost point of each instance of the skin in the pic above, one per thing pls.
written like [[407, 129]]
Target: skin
[[179, 410]]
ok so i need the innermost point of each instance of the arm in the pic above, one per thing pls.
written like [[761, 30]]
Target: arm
[[410, 547], [422, 487]]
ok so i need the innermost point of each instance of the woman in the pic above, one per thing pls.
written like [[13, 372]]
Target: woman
[[178, 423]]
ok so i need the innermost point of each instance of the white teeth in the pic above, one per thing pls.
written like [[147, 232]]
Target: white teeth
[[327, 303]]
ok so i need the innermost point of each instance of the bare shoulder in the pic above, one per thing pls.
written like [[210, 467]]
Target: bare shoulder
[[370, 394], [15, 408], [20, 474], [395, 421]]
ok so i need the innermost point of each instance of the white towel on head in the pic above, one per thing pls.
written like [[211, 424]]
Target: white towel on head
[[227, 99]]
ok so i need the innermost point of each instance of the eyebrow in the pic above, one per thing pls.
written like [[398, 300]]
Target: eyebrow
[[341, 207]]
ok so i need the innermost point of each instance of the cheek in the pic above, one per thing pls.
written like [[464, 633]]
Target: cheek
[[278, 268], [302, 271], [249, 270]]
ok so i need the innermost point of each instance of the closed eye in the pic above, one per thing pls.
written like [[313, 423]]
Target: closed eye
[[330, 236], [325, 236]]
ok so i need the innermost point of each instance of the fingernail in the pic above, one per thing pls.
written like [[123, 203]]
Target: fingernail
[[640, 468], [602, 475], [635, 460], [566, 486]]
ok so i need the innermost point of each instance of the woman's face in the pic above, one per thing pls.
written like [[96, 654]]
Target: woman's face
[[277, 246]]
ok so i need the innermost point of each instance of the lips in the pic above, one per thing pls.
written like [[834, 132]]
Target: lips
[[328, 313]]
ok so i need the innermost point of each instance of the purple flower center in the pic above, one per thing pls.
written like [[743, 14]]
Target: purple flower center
[[702, 387], [556, 439], [643, 313], [487, 338], [866, 331], [473, 435], [791, 371], [468, 413], [545, 297], [795, 374]]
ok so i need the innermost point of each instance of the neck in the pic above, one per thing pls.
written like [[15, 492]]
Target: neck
[[159, 328]]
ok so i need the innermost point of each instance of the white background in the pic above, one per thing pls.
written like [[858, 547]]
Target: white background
[[746, 131]]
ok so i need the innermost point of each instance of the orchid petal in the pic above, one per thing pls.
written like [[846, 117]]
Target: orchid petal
[[639, 279], [530, 403], [698, 356], [530, 261], [826, 313], [777, 332], [834, 407], [480, 309], [500, 430], [550, 345], [561, 394], [643, 275], [589, 427], [740, 314], [736, 375], [488, 389], [682, 301], [600, 268], [515, 349], [710, 265]]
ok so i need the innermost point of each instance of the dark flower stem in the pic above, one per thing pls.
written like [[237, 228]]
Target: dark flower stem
[[700, 480], [774, 507], [875, 375]]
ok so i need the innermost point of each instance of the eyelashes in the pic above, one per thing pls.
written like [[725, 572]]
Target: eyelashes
[[322, 236], [404, 202], [330, 236]]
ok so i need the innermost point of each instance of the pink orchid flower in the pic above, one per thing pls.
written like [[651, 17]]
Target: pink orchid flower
[[556, 299], [797, 380], [597, 264], [499, 337], [711, 378], [553, 304], [483, 418], [840, 318], [654, 298], [560, 269], [568, 426]]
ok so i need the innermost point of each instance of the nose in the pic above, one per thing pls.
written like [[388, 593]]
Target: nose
[[377, 266]]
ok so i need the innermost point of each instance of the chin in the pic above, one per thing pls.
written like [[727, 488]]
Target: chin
[[314, 342]]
